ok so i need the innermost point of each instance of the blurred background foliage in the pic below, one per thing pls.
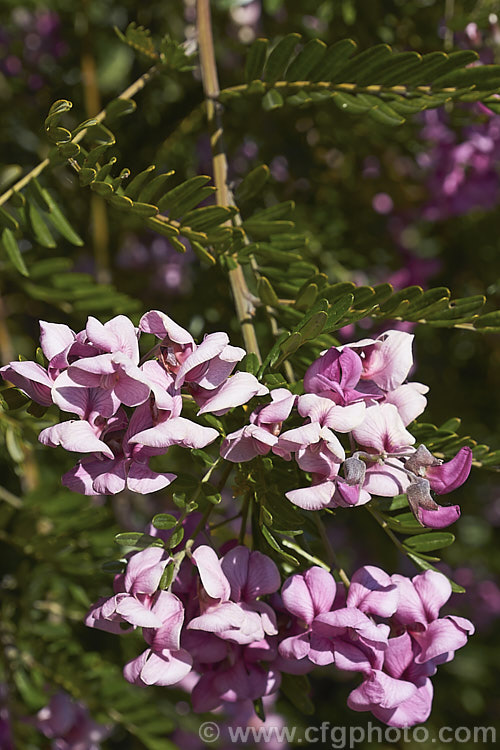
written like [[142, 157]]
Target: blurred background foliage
[[364, 196]]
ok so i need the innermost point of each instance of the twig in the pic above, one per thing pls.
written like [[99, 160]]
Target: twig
[[241, 294]]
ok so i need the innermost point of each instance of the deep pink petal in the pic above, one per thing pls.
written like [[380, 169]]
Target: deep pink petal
[[439, 519], [450, 475]]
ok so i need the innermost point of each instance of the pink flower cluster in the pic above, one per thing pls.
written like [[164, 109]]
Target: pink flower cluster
[[97, 373], [214, 634], [360, 389], [69, 725]]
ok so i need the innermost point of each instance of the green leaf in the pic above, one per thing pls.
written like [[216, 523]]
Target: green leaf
[[205, 218], [349, 103], [333, 60], [307, 59], [86, 176], [164, 521], [176, 537], [11, 248], [7, 220], [425, 565], [135, 539], [180, 199], [59, 221], [272, 100], [307, 297], [202, 253], [253, 183], [362, 63], [104, 189], [155, 188], [336, 312], [39, 227], [120, 107], [135, 186], [278, 59], [430, 542], [276, 547], [144, 209], [266, 292], [167, 576], [256, 58]]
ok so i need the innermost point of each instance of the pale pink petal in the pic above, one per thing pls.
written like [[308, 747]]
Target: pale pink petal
[[31, 378], [278, 410], [372, 591], [161, 325], [409, 400], [213, 579], [263, 576], [75, 435], [111, 479], [226, 616], [176, 431], [144, 480], [383, 430], [386, 481], [167, 668], [312, 498], [247, 443], [322, 588], [55, 338], [379, 689], [136, 613], [145, 569], [297, 598], [434, 589], [237, 390]]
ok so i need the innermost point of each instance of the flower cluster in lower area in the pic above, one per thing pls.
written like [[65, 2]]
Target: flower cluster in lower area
[[128, 411], [227, 628]]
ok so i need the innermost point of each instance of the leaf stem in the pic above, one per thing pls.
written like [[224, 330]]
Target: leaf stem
[[242, 298]]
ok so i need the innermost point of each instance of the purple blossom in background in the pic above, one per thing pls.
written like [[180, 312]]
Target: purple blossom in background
[[69, 725]]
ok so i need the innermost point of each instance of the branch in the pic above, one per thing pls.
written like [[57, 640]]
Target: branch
[[241, 294]]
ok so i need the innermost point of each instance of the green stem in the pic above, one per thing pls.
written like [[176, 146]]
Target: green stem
[[383, 524], [241, 293], [129, 93]]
